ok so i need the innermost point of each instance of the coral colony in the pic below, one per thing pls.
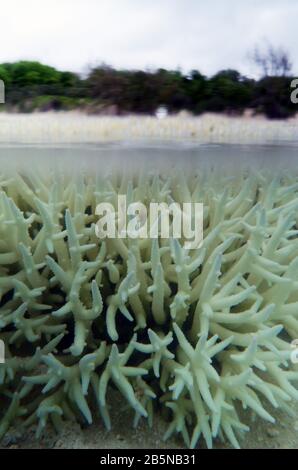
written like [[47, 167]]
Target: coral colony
[[196, 335]]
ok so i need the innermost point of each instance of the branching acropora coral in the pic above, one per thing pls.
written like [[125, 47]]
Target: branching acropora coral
[[197, 333]]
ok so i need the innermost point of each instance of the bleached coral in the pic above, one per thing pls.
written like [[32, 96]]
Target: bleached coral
[[198, 333], [70, 127]]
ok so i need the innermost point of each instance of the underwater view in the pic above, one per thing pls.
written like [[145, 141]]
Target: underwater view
[[199, 339]]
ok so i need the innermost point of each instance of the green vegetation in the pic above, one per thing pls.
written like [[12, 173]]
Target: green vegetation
[[33, 86]]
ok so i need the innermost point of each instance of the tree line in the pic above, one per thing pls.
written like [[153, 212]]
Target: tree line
[[34, 86]]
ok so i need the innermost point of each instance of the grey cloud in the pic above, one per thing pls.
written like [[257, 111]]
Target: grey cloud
[[207, 35]]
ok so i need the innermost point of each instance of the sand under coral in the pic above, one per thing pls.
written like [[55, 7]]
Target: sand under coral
[[283, 435]]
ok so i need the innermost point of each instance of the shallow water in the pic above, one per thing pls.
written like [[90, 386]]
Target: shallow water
[[153, 154], [159, 155]]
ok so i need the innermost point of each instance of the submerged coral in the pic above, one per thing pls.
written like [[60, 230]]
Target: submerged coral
[[198, 333]]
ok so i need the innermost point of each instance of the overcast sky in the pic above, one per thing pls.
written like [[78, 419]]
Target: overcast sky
[[208, 35]]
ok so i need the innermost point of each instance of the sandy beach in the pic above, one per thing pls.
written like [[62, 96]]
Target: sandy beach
[[74, 127]]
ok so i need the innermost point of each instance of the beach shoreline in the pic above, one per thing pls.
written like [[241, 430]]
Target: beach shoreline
[[78, 128]]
